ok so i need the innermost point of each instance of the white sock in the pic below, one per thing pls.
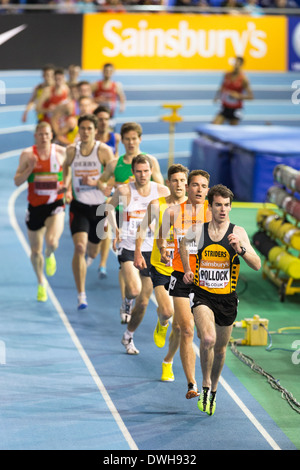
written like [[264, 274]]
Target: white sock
[[128, 334]]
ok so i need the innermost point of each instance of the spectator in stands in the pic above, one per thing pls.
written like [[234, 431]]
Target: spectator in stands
[[190, 3], [112, 6], [252, 8], [86, 6], [3, 7], [279, 4], [234, 6]]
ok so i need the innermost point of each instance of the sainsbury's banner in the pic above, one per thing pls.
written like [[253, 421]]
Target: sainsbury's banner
[[183, 42]]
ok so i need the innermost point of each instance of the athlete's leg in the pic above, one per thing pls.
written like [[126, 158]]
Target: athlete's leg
[[80, 241], [184, 318], [165, 311], [36, 240], [54, 229], [141, 303], [104, 249], [205, 323], [132, 279], [219, 119], [222, 339]]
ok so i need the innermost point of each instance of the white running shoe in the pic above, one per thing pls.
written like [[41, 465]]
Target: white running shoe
[[129, 345]]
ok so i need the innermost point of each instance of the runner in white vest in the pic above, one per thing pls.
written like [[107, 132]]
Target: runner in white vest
[[135, 198], [83, 166]]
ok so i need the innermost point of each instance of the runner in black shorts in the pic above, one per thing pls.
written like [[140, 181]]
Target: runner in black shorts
[[213, 296], [176, 287], [159, 279], [37, 215], [128, 255], [223, 306], [84, 218], [83, 166]]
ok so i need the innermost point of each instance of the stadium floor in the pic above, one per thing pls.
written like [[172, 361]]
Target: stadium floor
[[66, 382]]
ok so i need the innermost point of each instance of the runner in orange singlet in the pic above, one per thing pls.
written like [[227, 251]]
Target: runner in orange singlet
[[181, 217]]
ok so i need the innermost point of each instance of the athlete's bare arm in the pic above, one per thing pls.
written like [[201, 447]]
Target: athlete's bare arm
[[27, 163], [156, 173], [238, 239], [168, 219], [152, 214], [70, 155]]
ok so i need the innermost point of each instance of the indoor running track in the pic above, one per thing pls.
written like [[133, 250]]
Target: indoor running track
[[66, 381]]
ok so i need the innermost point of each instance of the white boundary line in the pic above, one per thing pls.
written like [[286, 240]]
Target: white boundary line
[[70, 330], [238, 401]]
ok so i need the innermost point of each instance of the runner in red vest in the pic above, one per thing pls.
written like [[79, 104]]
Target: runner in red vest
[[41, 166], [234, 89], [107, 92]]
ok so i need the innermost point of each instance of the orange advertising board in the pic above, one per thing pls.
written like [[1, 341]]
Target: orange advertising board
[[183, 42]]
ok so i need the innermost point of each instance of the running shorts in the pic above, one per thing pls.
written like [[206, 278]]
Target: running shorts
[[128, 255], [178, 288], [231, 113], [224, 306], [83, 218], [37, 215]]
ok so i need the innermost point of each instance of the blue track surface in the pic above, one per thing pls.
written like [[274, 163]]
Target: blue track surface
[[67, 382]]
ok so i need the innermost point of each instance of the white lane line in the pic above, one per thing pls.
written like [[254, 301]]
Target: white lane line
[[10, 154], [169, 87], [70, 330]]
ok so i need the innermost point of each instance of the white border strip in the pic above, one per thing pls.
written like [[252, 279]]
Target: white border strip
[[64, 318], [238, 401]]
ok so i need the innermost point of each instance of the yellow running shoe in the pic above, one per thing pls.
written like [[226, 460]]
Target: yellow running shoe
[[160, 334], [42, 295], [50, 265], [167, 372]]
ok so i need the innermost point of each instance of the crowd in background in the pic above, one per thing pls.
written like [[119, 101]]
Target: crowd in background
[[253, 7]]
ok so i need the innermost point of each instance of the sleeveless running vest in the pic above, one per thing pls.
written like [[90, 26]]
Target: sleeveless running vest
[[155, 255], [133, 214], [230, 84], [122, 171], [87, 165], [108, 95], [54, 99], [45, 179], [217, 265], [181, 225], [111, 142]]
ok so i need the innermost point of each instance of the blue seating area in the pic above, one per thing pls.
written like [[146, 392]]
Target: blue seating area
[[244, 158]]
